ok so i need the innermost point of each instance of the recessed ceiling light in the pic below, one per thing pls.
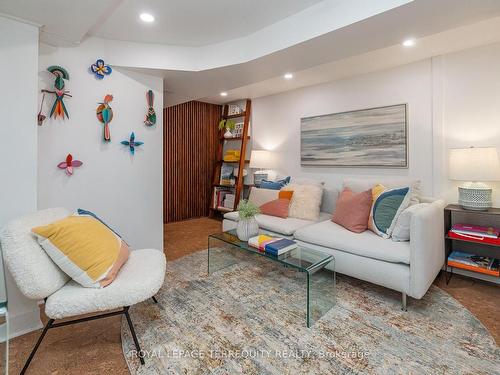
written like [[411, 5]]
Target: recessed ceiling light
[[409, 43], [288, 76], [146, 17], [223, 93]]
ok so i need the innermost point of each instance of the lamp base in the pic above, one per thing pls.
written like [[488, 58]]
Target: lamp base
[[475, 198]]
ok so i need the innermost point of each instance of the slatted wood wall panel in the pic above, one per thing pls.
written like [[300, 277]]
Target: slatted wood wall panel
[[190, 145]]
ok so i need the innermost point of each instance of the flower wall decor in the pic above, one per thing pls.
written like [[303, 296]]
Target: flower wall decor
[[69, 164], [132, 143], [100, 69]]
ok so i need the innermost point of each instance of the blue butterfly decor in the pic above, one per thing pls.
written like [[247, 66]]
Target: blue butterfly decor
[[100, 69], [132, 143]]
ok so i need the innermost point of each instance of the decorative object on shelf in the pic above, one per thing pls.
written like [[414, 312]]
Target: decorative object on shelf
[[232, 156], [104, 114], [58, 108], [40, 117], [227, 175], [151, 115], [132, 143], [229, 125], [234, 109], [69, 164], [100, 69], [375, 137], [247, 225], [238, 130], [474, 165], [260, 159]]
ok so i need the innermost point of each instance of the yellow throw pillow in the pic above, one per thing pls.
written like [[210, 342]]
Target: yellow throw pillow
[[84, 248], [376, 191]]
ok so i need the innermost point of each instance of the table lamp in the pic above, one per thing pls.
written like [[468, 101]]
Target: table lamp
[[260, 159], [475, 165]]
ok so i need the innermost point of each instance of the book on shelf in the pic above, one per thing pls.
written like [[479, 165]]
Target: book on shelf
[[223, 199], [227, 175], [475, 230], [475, 263]]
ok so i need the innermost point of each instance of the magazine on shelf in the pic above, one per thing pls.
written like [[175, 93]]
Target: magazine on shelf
[[475, 230], [475, 263]]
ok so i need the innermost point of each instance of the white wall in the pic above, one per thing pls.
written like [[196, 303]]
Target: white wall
[[18, 152], [124, 191], [276, 120], [453, 101]]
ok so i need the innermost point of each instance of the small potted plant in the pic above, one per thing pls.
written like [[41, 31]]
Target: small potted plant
[[229, 125], [247, 225]]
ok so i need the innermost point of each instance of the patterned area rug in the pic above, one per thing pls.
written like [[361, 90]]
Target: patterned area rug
[[249, 319]]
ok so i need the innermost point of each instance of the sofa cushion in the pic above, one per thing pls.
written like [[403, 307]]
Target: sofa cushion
[[286, 226], [366, 244], [361, 184]]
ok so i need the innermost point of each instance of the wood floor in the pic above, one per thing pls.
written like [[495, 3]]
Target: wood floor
[[95, 347]]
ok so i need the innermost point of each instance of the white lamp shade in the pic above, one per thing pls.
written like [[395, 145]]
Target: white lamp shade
[[260, 159], [474, 164]]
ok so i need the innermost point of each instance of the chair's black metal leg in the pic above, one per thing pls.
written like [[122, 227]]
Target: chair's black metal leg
[[154, 299], [28, 361], [132, 330]]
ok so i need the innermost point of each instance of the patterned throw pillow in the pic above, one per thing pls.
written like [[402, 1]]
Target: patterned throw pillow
[[84, 248], [386, 208]]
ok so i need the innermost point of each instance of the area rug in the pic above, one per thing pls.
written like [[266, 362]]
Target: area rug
[[249, 319]]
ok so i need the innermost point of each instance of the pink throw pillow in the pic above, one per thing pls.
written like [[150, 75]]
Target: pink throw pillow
[[353, 210], [277, 207]]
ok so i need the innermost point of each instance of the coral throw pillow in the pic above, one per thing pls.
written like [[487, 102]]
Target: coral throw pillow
[[84, 248], [285, 194], [353, 210], [278, 207]]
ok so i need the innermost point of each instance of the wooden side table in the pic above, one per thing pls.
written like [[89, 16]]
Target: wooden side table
[[453, 214]]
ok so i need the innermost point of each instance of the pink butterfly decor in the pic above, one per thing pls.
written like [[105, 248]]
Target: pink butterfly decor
[[69, 164]]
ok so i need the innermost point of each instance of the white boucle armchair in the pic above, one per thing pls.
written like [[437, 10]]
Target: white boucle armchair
[[39, 278]]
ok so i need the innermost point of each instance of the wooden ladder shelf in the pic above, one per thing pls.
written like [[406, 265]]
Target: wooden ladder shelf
[[243, 139]]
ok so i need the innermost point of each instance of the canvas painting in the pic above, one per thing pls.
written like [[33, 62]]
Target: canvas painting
[[375, 137]]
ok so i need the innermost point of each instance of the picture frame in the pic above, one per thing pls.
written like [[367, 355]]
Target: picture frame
[[366, 138]]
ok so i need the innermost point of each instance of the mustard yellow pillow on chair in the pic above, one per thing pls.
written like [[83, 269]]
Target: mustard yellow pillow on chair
[[84, 248]]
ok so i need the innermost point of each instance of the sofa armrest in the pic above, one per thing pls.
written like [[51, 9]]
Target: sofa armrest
[[426, 247]]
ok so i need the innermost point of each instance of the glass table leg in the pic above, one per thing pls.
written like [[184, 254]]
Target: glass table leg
[[220, 255], [321, 293]]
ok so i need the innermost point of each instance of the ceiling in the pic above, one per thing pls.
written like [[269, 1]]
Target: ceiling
[[244, 47], [195, 23]]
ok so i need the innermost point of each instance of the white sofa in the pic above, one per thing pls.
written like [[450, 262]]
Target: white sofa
[[407, 267]]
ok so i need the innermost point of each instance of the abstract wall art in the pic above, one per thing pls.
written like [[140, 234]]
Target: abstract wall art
[[374, 137]]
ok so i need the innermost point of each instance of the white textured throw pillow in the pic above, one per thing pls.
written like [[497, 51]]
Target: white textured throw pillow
[[306, 201], [401, 231]]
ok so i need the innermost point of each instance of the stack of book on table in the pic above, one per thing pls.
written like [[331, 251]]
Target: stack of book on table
[[475, 263], [272, 245]]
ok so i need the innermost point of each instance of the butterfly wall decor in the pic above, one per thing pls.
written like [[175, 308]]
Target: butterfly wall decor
[[132, 143], [69, 164]]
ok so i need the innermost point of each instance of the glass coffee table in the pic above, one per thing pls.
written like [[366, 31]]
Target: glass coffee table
[[320, 282]]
